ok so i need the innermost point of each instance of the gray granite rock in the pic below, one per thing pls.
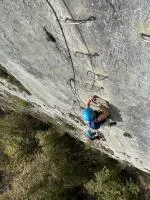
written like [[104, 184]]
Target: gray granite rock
[[33, 49]]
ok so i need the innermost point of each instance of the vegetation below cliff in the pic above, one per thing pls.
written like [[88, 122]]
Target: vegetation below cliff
[[39, 160]]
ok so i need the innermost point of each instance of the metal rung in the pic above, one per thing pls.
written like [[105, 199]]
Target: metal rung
[[80, 21], [145, 37], [81, 55]]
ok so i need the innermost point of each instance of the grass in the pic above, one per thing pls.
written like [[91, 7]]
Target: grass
[[20, 103], [9, 103], [49, 164], [11, 79], [45, 163], [108, 185]]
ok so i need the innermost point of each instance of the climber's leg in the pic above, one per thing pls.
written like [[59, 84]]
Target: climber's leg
[[105, 112]]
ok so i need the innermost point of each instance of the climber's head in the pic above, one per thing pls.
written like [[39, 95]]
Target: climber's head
[[87, 115]]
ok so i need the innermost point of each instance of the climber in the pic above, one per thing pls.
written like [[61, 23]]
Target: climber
[[94, 118]]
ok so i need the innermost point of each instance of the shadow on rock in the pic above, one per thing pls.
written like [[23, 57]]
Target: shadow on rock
[[115, 113]]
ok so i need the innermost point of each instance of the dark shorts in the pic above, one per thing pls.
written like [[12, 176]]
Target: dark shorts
[[96, 125], [97, 114]]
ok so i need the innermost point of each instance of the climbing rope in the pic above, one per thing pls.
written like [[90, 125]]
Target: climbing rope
[[72, 83], [90, 58], [74, 21], [73, 88], [51, 38]]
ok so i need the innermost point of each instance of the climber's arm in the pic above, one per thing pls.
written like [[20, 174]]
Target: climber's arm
[[91, 99], [88, 103]]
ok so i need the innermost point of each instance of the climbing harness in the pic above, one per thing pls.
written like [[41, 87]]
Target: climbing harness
[[145, 37], [74, 21]]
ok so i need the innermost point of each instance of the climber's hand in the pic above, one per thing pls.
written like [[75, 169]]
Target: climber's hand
[[94, 97], [90, 100]]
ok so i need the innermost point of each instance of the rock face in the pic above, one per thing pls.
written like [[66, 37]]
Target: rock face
[[62, 62]]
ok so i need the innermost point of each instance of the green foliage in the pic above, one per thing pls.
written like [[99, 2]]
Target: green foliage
[[126, 134], [48, 164], [64, 156], [17, 136], [19, 103], [108, 185], [46, 161], [55, 173], [11, 79]]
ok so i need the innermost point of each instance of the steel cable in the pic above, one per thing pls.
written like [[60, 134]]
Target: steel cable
[[90, 58], [75, 92]]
